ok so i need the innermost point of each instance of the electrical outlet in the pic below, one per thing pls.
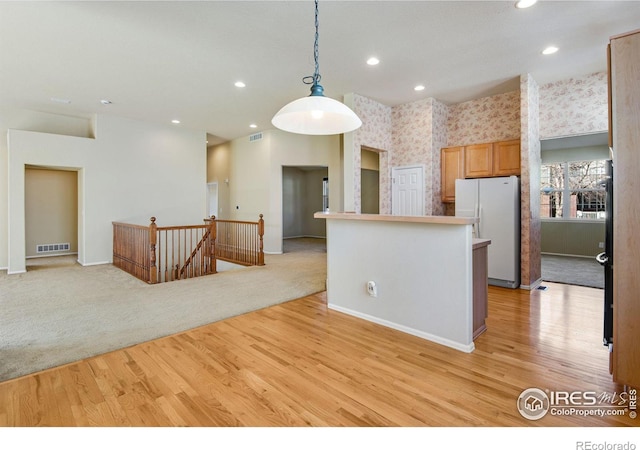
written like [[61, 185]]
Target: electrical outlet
[[601, 245], [372, 289]]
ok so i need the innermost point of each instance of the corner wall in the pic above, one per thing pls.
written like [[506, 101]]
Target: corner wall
[[255, 182], [530, 227], [131, 171]]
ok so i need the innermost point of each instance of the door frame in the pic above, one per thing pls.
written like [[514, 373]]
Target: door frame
[[394, 170], [209, 186]]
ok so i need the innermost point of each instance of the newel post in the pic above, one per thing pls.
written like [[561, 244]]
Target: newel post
[[153, 235], [213, 235], [261, 234]]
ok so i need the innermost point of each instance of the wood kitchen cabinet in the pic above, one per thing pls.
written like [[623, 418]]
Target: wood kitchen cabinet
[[478, 161], [480, 289], [624, 92], [452, 168], [495, 159], [506, 158]]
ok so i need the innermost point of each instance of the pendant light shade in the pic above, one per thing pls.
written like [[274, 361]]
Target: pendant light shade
[[316, 114]]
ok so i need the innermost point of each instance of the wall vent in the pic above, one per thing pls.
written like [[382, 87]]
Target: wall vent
[[50, 248], [255, 137]]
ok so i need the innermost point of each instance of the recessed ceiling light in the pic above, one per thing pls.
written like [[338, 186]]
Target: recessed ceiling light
[[373, 61], [253, 125], [549, 50], [176, 121], [105, 102], [525, 3], [419, 88], [239, 84], [60, 100]]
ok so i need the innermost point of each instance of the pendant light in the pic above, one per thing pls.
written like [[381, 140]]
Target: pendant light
[[316, 114]]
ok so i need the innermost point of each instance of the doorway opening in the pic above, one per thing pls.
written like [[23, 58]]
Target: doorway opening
[[305, 191], [572, 209], [369, 181], [51, 217]]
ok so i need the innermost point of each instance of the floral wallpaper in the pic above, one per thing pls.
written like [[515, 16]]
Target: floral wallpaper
[[412, 141], [414, 133], [374, 133], [530, 269], [440, 118], [489, 119], [574, 106]]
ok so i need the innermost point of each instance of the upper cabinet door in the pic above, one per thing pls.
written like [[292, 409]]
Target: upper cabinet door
[[452, 168], [506, 158], [478, 161]]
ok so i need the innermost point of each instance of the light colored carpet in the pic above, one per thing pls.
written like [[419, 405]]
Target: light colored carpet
[[59, 312], [572, 270]]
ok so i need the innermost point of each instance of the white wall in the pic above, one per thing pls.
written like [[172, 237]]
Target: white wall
[[255, 183], [131, 171], [425, 289]]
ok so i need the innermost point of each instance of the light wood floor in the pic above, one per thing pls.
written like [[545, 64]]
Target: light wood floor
[[300, 364]]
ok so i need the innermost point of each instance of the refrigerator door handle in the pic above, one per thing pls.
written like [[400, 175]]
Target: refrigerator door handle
[[602, 258], [479, 220]]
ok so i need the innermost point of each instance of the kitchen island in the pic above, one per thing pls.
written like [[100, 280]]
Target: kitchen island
[[411, 273]]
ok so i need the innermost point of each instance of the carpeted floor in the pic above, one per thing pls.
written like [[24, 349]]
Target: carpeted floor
[[572, 270], [59, 312]]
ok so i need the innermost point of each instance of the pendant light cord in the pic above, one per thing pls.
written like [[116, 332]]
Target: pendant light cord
[[315, 78]]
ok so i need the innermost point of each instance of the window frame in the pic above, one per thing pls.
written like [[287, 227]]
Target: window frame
[[567, 191]]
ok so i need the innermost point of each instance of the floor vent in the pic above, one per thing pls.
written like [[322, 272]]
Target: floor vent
[[49, 248], [255, 137]]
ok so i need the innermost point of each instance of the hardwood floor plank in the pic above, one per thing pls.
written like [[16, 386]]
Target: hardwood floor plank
[[301, 364]]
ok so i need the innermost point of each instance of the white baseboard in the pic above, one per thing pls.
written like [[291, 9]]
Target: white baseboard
[[16, 272], [421, 334], [572, 256], [93, 263], [533, 286]]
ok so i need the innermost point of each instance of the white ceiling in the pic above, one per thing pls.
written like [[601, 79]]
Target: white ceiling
[[158, 61]]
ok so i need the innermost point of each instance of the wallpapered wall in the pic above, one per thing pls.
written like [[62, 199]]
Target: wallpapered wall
[[489, 119], [530, 238], [375, 133], [415, 132], [574, 106]]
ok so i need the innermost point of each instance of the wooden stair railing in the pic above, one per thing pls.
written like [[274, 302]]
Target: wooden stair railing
[[158, 254], [207, 253]]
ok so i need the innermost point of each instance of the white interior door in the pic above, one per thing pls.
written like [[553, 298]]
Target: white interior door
[[407, 191], [212, 199]]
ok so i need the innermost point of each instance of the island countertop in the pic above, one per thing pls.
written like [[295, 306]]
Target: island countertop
[[443, 220]]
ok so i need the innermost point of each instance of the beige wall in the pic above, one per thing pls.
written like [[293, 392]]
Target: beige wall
[[51, 209], [219, 171], [256, 183], [577, 238], [130, 171]]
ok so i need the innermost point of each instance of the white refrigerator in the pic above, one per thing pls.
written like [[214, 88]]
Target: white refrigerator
[[496, 202]]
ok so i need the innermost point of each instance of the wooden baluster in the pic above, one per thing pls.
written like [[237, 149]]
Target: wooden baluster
[[213, 235], [261, 245], [153, 270]]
